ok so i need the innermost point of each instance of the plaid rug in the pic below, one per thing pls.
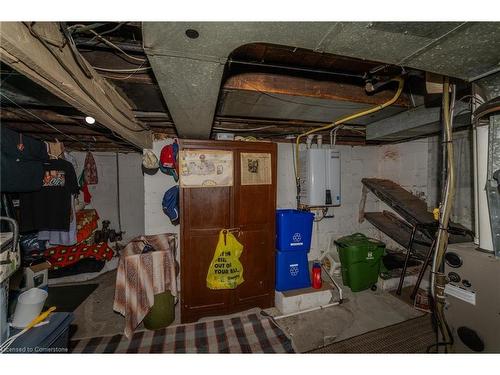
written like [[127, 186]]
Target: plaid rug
[[245, 334]]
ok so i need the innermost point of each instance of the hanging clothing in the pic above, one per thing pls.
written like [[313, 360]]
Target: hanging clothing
[[90, 170], [50, 207], [55, 149], [56, 237], [69, 157], [87, 197], [21, 162]]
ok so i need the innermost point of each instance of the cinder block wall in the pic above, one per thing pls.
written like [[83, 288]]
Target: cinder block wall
[[104, 194], [405, 163]]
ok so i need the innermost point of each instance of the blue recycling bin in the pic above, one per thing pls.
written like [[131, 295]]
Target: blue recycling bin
[[292, 270], [293, 230]]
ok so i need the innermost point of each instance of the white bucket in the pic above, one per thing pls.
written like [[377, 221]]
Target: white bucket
[[29, 306]]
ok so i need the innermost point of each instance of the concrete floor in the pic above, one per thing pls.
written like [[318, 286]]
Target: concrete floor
[[359, 313]]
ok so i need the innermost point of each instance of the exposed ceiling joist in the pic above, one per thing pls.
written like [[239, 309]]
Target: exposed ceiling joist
[[307, 87], [42, 55]]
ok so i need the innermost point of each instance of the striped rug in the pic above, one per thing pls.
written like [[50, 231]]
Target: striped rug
[[411, 336], [244, 334]]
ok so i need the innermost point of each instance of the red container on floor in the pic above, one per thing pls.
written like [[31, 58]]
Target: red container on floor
[[316, 276]]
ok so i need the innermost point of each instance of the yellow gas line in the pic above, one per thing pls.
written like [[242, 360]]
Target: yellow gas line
[[345, 119]]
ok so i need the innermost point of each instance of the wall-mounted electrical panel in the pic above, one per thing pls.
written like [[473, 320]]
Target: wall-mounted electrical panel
[[319, 170]]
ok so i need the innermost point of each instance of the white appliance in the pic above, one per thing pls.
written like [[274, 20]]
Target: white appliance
[[319, 170]]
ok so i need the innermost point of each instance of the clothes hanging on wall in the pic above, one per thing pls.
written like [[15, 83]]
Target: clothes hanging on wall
[[55, 149], [22, 160], [87, 197], [57, 237], [50, 207], [90, 170], [69, 157]]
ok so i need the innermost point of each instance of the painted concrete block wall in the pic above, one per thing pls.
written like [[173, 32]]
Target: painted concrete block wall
[[155, 186], [104, 194], [405, 163], [355, 163], [131, 194]]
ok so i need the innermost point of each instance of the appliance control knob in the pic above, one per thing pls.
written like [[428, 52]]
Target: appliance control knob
[[466, 283], [453, 260], [454, 277]]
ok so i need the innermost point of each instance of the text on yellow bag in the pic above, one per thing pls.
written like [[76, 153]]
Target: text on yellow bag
[[226, 271]]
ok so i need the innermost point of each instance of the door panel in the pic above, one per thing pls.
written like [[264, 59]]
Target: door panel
[[209, 208], [255, 205], [201, 249], [258, 265]]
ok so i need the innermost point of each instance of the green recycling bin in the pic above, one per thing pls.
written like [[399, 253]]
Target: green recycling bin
[[360, 259], [162, 314]]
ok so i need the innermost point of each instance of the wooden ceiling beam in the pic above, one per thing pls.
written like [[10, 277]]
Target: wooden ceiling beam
[[41, 128], [17, 114], [307, 87]]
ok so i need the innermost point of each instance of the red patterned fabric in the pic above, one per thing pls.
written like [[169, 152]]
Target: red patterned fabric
[[90, 170], [63, 256], [86, 224]]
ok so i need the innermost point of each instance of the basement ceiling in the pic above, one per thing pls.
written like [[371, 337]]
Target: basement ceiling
[[189, 67], [282, 89]]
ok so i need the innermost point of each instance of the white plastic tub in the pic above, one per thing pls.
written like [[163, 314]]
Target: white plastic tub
[[29, 306]]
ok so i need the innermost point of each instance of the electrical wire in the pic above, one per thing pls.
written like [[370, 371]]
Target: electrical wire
[[244, 130], [276, 66], [135, 70], [86, 145], [42, 120], [127, 77], [111, 44], [82, 87], [120, 24]]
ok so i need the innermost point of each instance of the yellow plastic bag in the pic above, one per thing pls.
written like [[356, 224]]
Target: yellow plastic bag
[[226, 271]]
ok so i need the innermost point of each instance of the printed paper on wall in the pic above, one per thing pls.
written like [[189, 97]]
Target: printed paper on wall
[[256, 169], [206, 168]]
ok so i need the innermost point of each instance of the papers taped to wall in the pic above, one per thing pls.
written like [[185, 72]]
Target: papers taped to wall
[[206, 168], [256, 169]]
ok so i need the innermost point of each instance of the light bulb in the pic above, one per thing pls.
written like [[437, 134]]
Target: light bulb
[[89, 120]]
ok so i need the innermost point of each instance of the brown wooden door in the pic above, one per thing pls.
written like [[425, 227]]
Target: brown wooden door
[[255, 207], [206, 211]]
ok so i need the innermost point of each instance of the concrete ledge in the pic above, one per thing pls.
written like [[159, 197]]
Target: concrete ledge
[[302, 299]]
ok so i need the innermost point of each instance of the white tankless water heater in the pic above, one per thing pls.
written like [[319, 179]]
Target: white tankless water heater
[[319, 170]]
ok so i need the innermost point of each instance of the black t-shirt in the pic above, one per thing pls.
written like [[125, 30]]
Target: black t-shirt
[[21, 162], [50, 207]]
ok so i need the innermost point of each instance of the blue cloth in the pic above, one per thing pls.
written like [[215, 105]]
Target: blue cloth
[[170, 204]]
